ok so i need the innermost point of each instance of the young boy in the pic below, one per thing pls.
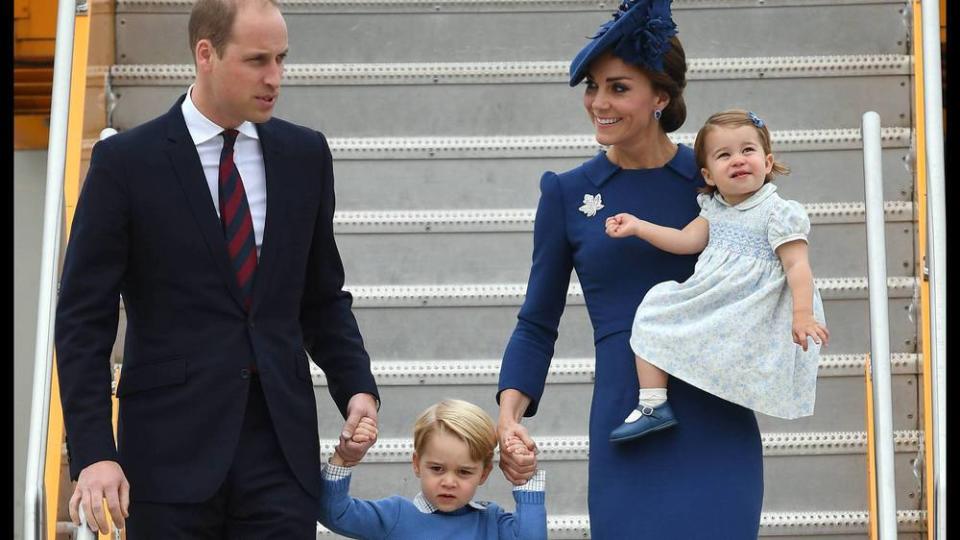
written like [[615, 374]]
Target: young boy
[[453, 445]]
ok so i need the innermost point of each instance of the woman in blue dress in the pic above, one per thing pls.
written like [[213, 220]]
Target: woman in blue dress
[[702, 479]]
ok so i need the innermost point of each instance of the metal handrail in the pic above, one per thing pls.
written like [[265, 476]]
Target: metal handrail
[[936, 252], [879, 326], [34, 503]]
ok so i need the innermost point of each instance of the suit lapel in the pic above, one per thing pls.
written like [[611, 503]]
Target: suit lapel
[[189, 172], [274, 167]]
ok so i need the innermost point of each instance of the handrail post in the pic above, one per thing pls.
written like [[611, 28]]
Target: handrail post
[[936, 253], [879, 326], [33, 503]]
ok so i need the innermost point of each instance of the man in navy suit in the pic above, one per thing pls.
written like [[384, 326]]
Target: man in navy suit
[[214, 222]]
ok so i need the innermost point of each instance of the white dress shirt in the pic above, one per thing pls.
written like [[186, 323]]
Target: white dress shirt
[[247, 155]]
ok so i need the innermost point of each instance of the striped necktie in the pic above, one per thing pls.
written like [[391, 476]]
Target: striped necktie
[[236, 220]]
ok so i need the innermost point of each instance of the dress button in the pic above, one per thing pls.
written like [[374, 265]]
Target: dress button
[[244, 373], [250, 323]]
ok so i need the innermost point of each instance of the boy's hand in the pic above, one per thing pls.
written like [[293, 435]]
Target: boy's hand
[[805, 326], [622, 226], [517, 465], [364, 435], [515, 446]]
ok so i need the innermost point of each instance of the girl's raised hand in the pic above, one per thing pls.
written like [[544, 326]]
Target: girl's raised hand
[[806, 326], [622, 226]]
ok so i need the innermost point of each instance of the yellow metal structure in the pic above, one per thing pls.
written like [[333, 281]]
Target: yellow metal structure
[[920, 198], [34, 42], [872, 499], [34, 29]]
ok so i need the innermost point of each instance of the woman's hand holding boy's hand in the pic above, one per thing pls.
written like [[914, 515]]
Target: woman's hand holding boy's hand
[[623, 225], [515, 446], [349, 453], [518, 452], [804, 326]]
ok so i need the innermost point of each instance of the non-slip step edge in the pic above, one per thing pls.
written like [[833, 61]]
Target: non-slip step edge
[[569, 370], [576, 448], [522, 220], [431, 73], [583, 146], [568, 527], [379, 296]]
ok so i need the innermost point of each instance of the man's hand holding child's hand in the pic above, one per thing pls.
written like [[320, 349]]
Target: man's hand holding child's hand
[[349, 453]]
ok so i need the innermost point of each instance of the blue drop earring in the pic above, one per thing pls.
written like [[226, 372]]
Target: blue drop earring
[[657, 114]]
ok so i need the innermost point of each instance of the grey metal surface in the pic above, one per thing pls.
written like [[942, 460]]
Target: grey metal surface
[[565, 407], [496, 257], [468, 332], [521, 108], [442, 73], [524, 34], [801, 480], [372, 184]]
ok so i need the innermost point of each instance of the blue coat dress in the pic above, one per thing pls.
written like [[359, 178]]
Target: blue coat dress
[[702, 479]]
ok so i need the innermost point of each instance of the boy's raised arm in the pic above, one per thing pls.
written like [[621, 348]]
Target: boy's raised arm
[[348, 516], [529, 522]]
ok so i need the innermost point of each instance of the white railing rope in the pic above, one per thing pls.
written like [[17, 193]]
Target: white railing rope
[[34, 525], [879, 326]]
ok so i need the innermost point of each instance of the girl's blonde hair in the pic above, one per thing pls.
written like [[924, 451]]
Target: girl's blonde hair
[[463, 419], [734, 118]]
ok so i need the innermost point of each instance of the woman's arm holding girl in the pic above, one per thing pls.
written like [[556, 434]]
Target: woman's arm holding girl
[[796, 266], [689, 241]]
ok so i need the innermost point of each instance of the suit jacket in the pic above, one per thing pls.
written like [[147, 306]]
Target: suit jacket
[[146, 229]]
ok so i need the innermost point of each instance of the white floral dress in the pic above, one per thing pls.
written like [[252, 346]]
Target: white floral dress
[[727, 329]]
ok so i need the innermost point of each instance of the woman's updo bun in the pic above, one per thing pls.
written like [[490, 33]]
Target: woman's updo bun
[[672, 80]]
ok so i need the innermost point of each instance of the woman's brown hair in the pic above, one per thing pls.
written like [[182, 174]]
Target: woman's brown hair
[[672, 80]]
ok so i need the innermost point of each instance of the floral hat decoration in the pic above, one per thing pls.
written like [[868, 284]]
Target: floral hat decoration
[[639, 34]]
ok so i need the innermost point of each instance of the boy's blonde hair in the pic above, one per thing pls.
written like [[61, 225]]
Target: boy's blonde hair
[[734, 118], [463, 419]]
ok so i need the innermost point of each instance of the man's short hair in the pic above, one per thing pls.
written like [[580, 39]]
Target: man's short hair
[[462, 419], [213, 20]]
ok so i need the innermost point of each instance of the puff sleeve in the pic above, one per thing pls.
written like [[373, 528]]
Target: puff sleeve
[[788, 222], [707, 205]]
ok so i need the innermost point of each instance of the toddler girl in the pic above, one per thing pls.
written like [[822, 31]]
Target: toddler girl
[[739, 326]]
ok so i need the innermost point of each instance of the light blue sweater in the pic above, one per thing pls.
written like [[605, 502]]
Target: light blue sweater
[[398, 518]]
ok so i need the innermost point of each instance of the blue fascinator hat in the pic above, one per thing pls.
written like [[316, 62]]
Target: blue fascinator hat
[[639, 34]]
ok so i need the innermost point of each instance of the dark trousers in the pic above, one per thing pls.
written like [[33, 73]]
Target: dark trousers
[[260, 498]]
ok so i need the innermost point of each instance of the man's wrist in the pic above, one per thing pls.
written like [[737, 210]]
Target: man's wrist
[[373, 398]]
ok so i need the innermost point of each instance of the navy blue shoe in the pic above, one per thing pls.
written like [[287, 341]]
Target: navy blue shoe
[[651, 419]]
